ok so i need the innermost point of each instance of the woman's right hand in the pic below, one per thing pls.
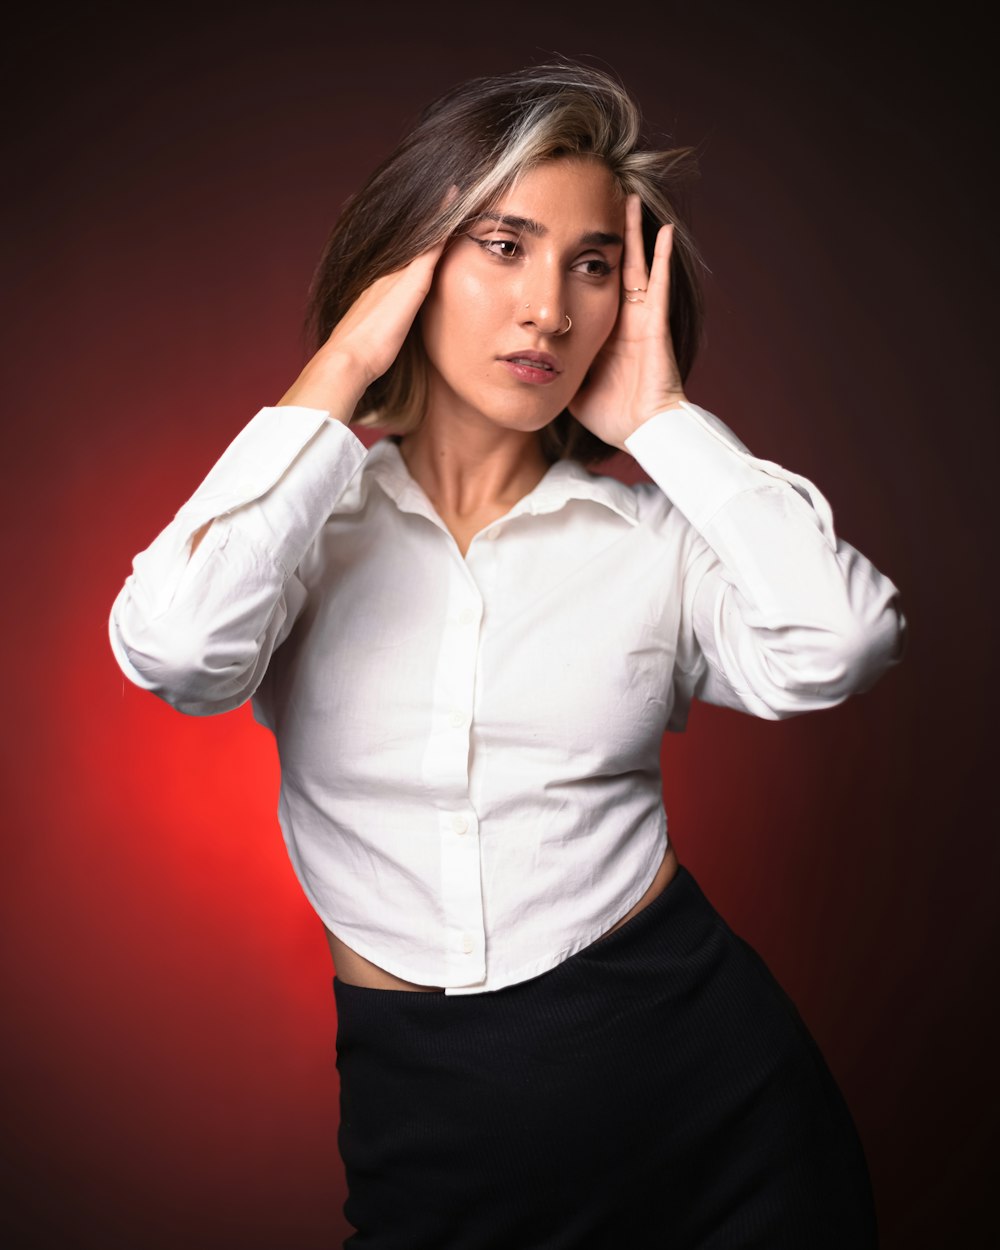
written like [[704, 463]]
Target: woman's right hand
[[366, 340]]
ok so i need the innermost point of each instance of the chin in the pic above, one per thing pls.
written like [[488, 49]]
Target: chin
[[528, 423], [529, 416], [513, 407]]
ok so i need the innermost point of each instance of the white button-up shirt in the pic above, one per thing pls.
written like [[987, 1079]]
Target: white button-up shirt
[[470, 746]]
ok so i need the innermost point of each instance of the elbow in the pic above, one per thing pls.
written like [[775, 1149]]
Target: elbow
[[198, 633], [193, 674], [836, 663], [833, 644], [868, 634], [195, 684], [872, 647]]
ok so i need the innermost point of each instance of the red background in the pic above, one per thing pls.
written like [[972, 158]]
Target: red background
[[169, 1040]]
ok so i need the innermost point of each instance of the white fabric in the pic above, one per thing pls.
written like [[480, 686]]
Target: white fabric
[[470, 747]]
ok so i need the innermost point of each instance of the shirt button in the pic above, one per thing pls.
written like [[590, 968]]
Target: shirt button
[[467, 943], [467, 616], [459, 824], [457, 718]]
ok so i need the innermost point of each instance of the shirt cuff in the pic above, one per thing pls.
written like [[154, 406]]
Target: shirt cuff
[[700, 465]]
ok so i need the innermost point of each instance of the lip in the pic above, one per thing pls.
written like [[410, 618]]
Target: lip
[[539, 358], [530, 367]]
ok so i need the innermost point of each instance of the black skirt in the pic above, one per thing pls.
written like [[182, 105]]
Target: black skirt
[[658, 1088]]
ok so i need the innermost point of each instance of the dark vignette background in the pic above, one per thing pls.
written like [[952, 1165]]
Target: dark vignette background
[[171, 175]]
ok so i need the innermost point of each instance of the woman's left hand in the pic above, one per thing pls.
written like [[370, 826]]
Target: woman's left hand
[[635, 373]]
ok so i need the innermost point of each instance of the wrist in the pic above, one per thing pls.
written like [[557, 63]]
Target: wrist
[[332, 382], [673, 401]]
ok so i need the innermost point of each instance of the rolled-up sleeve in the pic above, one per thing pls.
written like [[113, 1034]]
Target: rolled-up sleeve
[[198, 629], [779, 615]]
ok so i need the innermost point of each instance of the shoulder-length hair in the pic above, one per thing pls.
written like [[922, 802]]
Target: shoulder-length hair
[[479, 137]]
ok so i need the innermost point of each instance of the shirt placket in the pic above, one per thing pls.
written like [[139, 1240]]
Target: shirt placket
[[446, 772]]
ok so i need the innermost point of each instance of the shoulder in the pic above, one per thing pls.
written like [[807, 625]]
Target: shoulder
[[641, 501], [660, 527]]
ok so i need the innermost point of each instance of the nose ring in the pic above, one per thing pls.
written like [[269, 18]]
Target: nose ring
[[569, 324]]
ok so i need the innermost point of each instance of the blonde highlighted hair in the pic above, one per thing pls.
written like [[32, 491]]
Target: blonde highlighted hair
[[479, 137]]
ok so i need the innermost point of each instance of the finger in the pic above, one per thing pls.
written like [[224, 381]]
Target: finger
[[634, 271], [658, 292], [448, 221], [428, 258], [420, 270], [432, 254]]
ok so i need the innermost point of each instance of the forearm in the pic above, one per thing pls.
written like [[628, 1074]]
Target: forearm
[[789, 617], [330, 383], [196, 624], [791, 622], [216, 592]]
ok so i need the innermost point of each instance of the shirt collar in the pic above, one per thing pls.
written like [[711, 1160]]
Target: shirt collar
[[564, 480]]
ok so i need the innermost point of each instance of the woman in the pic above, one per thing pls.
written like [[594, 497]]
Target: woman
[[468, 647]]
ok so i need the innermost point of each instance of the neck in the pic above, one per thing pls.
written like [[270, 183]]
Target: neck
[[469, 468]]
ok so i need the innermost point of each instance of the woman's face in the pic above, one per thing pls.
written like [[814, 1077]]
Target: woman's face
[[551, 248]]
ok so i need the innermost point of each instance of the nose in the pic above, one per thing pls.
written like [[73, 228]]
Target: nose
[[542, 303]]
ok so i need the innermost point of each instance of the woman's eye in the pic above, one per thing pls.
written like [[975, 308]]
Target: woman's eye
[[595, 268], [506, 249], [510, 249]]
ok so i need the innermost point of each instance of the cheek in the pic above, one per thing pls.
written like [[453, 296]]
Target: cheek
[[472, 297], [601, 326], [610, 314], [459, 302]]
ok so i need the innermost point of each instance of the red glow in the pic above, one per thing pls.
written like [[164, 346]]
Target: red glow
[[170, 1023]]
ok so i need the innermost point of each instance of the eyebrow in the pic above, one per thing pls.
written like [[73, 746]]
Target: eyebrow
[[525, 225]]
